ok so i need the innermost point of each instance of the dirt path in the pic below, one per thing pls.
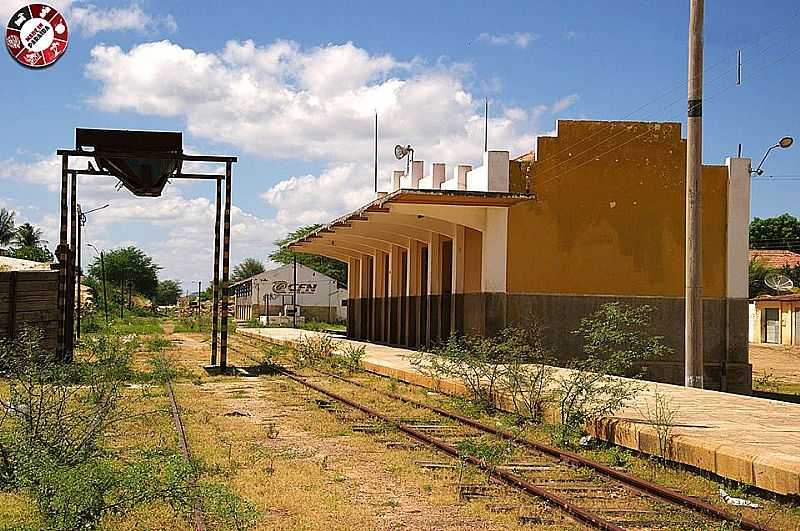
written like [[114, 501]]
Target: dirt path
[[781, 362]]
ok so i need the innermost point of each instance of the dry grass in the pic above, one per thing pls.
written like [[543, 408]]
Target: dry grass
[[305, 469]]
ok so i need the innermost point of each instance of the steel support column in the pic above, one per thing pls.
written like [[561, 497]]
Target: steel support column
[[61, 254], [226, 260], [215, 308]]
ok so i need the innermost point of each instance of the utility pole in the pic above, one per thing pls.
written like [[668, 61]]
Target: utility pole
[[105, 294], [694, 210], [79, 273]]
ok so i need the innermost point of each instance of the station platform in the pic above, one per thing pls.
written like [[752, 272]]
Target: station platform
[[751, 440]]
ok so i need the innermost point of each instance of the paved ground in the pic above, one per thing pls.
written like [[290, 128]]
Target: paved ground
[[752, 440], [779, 363]]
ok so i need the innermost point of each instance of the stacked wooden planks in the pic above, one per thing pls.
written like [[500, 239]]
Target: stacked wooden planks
[[29, 298]]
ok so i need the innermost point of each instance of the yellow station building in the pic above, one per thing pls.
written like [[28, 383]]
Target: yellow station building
[[596, 215]]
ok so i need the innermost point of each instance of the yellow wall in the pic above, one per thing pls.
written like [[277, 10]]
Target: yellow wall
[[611, 221], [787, 309]]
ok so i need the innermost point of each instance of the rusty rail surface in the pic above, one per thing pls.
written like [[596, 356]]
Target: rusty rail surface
[[505, 476], [663, 493], [567, 456], [197, 514]]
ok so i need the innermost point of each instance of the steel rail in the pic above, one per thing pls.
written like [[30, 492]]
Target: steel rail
[[658, 491], [197, 514], [653, 489], [512, 479]]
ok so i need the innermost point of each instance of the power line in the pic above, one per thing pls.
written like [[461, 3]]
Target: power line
[[647, 131], [678, 86]]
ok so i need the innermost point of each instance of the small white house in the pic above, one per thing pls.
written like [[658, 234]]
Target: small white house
[[273, 292]]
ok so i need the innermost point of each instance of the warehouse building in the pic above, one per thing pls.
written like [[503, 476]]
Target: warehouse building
[[271, 293], [596, 215]]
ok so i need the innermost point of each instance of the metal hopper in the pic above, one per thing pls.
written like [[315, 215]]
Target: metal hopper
[[147, 159]]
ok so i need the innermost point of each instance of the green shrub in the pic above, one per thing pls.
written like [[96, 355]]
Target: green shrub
[[528, 375], [616, 342], [478, 362], [193, 324], [490, 454], [223, 509], [311, 350]]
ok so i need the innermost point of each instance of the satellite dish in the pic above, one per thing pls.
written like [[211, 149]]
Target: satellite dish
[[779, 282], [400, 151]]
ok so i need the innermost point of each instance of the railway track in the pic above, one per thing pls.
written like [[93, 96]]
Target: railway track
[[197, 514], [588, 492]]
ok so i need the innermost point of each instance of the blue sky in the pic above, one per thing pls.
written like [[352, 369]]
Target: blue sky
[[301, 123]]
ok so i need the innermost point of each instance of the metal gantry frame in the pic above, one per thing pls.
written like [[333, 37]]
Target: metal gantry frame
[[66, 251]]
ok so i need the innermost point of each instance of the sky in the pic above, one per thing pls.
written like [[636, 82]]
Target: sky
[[292, 88]]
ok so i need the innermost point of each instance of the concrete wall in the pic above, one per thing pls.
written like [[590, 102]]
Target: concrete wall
[[614, 225]]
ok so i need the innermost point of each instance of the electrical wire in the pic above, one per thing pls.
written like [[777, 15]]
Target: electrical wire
[[647, 104], [647, 131]]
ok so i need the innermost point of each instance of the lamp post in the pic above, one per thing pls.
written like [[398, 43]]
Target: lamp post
[[783, 143], [81, 224], [103, 273]]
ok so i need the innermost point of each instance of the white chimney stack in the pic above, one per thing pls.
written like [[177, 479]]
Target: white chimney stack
[[397, 175], [439, 176]]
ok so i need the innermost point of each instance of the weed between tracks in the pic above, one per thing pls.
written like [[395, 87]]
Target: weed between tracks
[[302, 468]]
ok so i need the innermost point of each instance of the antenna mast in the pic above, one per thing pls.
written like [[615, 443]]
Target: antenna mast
[[376, 152], [485, 125]]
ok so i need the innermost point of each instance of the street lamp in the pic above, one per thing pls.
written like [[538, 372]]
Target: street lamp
[[783, 143], [81, 223]]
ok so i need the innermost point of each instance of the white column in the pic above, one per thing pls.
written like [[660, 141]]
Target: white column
[[736, 281], [494, 253]]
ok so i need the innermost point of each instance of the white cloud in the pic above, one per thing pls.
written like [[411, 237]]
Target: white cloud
[[520, 40], [91, 19], [280, 101], [308, 199], [564, 103]]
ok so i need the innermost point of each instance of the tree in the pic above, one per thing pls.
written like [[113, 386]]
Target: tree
[[168, 292], [35, 254], [27, 235], [7, 229], [322, 264], [132, 264], [781, 232], [29, 244], [246, 269]]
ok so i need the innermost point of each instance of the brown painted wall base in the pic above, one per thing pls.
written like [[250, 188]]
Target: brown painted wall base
[[428, 320]]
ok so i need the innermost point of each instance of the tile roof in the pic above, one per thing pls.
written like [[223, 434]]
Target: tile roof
[[775, 258]]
